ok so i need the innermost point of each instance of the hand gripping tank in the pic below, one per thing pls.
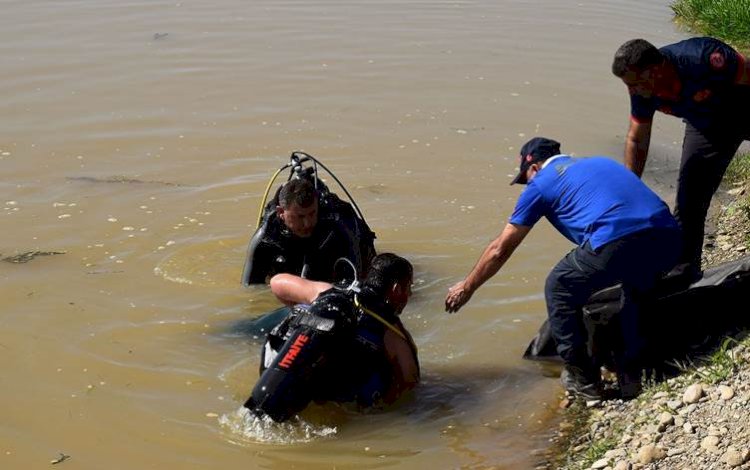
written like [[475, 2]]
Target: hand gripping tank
[[311, 338]]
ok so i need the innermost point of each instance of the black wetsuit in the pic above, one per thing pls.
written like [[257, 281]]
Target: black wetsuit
[[332, 350], [361, 371], [338, 234]]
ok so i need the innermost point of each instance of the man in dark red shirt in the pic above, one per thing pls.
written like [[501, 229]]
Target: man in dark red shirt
[[707, 84]]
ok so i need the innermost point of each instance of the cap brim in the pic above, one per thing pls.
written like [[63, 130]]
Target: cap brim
[[519, 179]]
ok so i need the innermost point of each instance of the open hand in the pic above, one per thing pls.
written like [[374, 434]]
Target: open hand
[[457, 296]]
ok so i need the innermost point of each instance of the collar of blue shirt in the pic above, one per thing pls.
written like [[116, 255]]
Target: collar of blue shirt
[[547, 161]]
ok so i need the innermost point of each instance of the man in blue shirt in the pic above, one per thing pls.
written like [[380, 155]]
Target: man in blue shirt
[[705, 82], [624, 234]]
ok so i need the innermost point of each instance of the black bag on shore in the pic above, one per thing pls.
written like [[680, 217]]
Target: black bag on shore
[[678, 320]]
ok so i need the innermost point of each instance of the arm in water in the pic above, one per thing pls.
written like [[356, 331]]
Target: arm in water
[[493, 258]]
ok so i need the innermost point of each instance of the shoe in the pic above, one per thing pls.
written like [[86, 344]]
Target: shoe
[[684, 272], [629, 381], [578, 383]]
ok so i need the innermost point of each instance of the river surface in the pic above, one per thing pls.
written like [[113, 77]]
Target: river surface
[[136, 140]]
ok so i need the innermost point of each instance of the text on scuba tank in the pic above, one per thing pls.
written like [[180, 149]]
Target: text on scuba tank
[[299, 342]]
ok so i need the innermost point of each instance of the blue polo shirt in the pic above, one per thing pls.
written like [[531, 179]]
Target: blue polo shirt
[[708, 70], [592, 199]]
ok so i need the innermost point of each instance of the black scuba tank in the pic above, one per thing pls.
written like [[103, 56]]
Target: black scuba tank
[[291, 380]]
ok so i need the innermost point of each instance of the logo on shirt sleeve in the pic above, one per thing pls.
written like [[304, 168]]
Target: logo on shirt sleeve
[[666, 109], [718, 61], [702, 95]]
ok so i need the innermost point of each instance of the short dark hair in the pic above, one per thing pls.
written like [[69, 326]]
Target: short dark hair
[[385, 270], [297, 191], [637, 54]]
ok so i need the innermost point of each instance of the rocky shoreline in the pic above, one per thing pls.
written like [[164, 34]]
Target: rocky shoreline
[[698, 420]]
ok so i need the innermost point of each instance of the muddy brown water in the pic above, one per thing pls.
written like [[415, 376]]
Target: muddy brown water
[[136, 140]]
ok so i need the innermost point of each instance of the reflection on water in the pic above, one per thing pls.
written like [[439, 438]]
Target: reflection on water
[[137, 139], [201, 263]]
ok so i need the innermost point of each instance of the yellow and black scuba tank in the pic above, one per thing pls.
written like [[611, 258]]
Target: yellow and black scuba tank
[[342, 232], [332, 350], [297, 353]]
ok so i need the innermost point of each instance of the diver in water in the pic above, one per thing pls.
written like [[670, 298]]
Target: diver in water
[[305, 236], [348, 345]]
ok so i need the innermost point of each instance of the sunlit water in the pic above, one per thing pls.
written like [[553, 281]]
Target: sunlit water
[[137, 138]]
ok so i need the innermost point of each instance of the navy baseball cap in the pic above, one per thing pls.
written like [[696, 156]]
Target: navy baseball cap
[[536, 150]]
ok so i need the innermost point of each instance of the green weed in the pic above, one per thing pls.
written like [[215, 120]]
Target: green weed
[[725, 19], [717, 367], [738, 170], [597, 450]]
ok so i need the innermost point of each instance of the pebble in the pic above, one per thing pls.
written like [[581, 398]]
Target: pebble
[[666, 418], [710, 443], [615, 453], [650, 453], [725, 392], [692, 407], [733, 457], [599, 464], [693, 394], [674, 404]]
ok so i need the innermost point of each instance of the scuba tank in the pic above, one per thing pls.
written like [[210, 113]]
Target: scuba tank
[[332, 350], [311, 339]]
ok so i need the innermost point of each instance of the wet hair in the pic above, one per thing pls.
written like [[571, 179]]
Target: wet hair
[[297, 191], [387, 269], [637, 54]]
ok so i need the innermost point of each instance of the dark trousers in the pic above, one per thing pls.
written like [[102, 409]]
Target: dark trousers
[[706, 154], [636, 260]]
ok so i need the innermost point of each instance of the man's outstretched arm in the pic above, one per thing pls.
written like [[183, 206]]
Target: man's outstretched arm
[[493, 258]]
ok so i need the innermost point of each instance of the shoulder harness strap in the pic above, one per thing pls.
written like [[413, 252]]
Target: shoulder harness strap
[[380, 319]]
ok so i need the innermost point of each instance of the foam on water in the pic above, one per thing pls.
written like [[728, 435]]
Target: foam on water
[[179, 280], [245, 427]]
